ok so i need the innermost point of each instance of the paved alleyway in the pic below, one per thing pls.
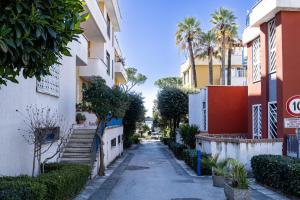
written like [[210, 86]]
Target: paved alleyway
[[151, 173]]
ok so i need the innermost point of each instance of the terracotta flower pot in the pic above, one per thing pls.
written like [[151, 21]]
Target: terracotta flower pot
[[235, 193]]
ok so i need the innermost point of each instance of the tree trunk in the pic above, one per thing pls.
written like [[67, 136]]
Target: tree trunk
[[229, 66], [100, 132], [192, 60], [211, 73], [34, 159], [223, 59]]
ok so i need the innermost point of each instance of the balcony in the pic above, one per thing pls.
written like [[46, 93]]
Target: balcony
[[81, 49], [117, 47], [96, 67], [120, 73], [115, 13], [95, 27]]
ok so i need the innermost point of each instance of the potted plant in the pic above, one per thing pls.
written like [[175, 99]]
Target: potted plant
[[80, 118], [236, 187], [219, 168]]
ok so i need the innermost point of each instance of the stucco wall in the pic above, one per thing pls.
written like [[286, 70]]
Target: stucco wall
[[227, 109], [243, 152], [196, 111], [16, 155]]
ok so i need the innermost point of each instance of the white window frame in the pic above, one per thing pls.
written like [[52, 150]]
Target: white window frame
[[257, 121], [272, 46], [272, 123], [256, 61]]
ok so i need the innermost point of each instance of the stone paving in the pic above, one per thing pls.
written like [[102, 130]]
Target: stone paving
[[151, 172]]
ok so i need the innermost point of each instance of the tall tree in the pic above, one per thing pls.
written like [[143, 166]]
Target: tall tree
[[206, 49], [233, 42], [133, 79], [223, 20], [188, 31], [168, 82], [105, 103]]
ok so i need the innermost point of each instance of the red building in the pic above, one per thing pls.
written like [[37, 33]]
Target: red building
[[273, 42]]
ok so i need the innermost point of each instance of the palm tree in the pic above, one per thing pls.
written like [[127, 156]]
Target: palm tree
[[188, 31], [207, 50], [223, 20], [232, 42]]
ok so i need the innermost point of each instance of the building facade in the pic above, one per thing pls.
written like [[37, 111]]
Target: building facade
[[238, 71], [273, 62], [97, 53]]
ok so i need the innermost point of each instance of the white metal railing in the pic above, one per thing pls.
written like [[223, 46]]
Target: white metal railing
[[272, 119], [272, 45], [256, 121], [256, 65], [239, 73]]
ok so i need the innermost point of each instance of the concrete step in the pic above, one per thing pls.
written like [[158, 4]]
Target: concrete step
[[78, 145], [80, 140], [77, 150], [82, 136], [84, 131], [76, 155]]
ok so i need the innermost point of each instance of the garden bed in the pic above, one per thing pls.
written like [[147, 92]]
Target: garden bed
[[59, 182]]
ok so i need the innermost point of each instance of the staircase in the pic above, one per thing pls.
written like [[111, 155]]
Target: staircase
[[78, 148]]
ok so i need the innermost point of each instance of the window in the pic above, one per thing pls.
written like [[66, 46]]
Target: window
[[108, 63], [256, 121], [108, 26], [272, 119], [49, 85], [112, 69], [256, 65], [113, 143], [119, 139], [272, 45]]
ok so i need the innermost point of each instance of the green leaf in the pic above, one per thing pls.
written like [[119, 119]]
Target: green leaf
[[3, 46]]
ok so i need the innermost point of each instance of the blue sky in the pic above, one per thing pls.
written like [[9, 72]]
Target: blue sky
[[148, 29]]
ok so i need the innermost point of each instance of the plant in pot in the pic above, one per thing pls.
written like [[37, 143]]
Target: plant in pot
[[219, 169], [236, 187], [80, 118]]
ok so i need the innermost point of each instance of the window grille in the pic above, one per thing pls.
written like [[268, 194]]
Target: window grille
[[256, 61], [272, 45], [50, 84], [272, 119], [256, 121]]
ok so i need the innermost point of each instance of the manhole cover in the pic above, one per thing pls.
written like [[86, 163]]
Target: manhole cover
[[134, 167]]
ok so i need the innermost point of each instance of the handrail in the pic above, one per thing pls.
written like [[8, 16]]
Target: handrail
[[94, 150]]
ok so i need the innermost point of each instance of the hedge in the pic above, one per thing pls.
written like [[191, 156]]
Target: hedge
[[188, 155], [190, 158], [279, 172], [61, 181]]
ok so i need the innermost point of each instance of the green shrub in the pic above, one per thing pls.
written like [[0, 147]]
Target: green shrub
[[134, 139], [61, 181], [190, 158], [278, 172], [176, 148], [165, 140], [188, 134]]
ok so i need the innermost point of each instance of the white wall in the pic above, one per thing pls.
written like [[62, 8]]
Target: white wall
[[196, 111], [16, 155], [242, 151]]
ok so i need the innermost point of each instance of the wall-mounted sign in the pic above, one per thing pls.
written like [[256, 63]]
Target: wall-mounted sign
[[293, 106], [291, 122]]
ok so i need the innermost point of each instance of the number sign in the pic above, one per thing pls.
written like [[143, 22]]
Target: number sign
[[293, 106]]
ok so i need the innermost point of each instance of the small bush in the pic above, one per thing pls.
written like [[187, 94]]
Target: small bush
[[278, 172], [190, 158], [188, 134], [176, 148], [134, 139], [61, 181]]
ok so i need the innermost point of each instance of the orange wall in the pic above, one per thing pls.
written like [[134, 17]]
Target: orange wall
[[227, 109]]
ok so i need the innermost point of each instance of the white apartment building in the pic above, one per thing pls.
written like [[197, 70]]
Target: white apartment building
[[96, 54]]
